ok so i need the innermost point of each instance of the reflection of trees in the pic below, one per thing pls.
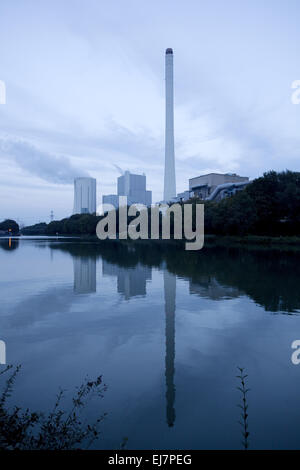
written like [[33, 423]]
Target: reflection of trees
[[126, 255], [9, 244], [210, 288], [269, 277], [60, 429]]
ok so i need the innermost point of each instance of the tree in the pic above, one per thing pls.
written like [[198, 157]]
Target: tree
[[10, 226], [37, 229]]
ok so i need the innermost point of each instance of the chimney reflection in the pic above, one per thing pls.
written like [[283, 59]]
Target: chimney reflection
[[170, 306]]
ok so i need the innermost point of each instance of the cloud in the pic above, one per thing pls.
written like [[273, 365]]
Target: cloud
[[51, 168]]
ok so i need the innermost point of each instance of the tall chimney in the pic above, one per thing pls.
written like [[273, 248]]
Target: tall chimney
[[170, 179]]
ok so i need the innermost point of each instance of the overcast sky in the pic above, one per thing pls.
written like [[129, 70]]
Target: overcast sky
[[85, 94]]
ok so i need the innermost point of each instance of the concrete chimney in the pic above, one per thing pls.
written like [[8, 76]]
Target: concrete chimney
[[170, 178]]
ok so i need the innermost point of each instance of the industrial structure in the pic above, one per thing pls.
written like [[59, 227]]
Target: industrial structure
[[84, 196], [169, 177], [216, 186], [133, 187], [209, 187]]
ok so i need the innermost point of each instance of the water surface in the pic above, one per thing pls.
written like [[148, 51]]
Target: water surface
[[166, 328]]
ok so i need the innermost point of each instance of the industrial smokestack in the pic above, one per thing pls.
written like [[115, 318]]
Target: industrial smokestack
[[170, 178]]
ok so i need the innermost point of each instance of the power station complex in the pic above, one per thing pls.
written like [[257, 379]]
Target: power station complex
[[212, 186], [133, 187]]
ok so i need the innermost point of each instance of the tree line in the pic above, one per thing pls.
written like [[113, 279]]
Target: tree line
[[269, 205]]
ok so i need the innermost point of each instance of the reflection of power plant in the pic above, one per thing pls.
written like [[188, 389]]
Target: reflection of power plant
[[170, 307], [84, 275], [210, 288], [130, 281]]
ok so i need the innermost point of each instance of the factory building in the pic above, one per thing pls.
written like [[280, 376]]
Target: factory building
[[133, 187], [216, 186], [185, 196], [112, 199], [84, 196]]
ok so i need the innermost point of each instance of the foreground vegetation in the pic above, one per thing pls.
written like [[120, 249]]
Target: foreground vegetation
[[56, 430], [61, 430], [269, 205]]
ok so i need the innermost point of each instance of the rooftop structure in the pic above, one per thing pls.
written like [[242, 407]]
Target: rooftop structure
[[204, 186]]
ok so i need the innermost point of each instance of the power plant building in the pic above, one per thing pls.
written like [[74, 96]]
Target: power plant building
[[84, 196], [214, 186], [133, 187], [112, 199]]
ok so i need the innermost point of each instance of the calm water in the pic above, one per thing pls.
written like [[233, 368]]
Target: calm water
[[167, 330]]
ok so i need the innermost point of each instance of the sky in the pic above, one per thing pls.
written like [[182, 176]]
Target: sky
[[85, 94]]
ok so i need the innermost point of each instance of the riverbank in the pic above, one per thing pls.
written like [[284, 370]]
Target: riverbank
[[261, 240], [247, 241]]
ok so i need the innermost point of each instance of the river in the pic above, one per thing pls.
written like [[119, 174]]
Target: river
[[167, 330]]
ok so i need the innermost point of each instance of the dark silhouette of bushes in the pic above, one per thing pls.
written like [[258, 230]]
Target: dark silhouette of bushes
[[9, 226], [78, 224], [244, 407], [57, 430], [269, 205], [37, 229]]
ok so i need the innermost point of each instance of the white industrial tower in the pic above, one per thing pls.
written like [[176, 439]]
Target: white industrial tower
[[170, 178]]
